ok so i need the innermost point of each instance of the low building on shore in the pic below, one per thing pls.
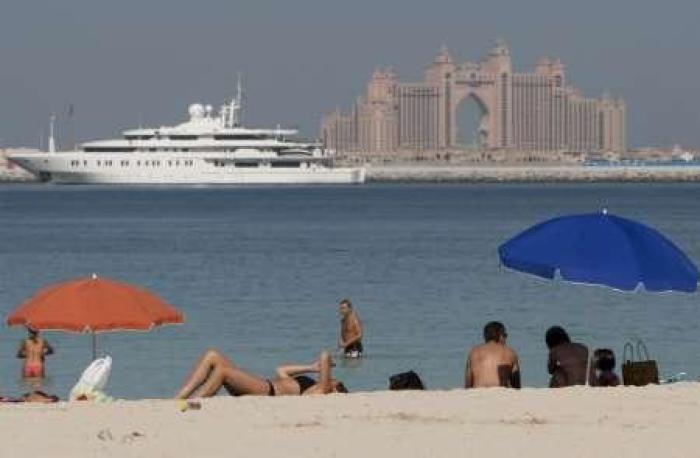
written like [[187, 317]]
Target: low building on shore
[[463, 157]]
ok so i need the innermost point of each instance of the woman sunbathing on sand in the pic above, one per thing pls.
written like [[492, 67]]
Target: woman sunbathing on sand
[[214, 371]]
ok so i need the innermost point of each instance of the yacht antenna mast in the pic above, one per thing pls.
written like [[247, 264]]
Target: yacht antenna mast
[[239, 98], [52, 142], [232, 114]]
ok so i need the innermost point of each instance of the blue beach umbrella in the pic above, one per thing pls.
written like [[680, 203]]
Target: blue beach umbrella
[[601, 249]]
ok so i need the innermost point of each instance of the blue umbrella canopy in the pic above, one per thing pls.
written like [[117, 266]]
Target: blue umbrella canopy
[[601, 249]]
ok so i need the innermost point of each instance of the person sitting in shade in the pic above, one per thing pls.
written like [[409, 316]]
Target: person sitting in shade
[[33, 350], [350, 340], [603, 368], [492, 363], [214, 371], [568, 361]]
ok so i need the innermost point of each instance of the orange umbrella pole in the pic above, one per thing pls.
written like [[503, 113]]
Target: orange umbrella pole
[[94, 345]]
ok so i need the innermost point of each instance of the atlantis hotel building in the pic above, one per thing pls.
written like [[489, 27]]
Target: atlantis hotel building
[[536, 111]]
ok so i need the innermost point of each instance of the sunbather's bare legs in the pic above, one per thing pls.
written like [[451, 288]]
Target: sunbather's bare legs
[[213, 371]]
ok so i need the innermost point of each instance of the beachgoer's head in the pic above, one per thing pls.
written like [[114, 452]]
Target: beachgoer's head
[[32, 332], [604, 359], [556, 335], [495, 331], [345, 307], [339, 387]]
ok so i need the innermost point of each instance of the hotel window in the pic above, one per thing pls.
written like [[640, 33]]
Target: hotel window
[[99, 163], [170, 163], [138, 163], [124, 163], [85, 163]]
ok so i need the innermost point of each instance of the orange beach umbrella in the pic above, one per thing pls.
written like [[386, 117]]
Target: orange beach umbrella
[[94, 305]]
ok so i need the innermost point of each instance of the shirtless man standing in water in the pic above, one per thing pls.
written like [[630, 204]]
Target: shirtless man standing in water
[[350, 330], [33, 349], [492, 363]]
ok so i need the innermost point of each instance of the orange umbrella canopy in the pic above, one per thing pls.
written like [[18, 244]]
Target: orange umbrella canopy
[[94, 305]]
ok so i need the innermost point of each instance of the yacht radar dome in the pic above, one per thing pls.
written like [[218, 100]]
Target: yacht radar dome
[[196, 111]]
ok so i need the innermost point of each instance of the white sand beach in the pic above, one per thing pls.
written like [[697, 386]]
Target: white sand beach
[[575, 422]]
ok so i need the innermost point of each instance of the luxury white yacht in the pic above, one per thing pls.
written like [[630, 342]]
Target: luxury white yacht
[[208, 149]]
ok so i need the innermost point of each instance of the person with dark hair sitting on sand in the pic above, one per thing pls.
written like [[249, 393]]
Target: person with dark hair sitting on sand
[[568, 361], [493, 363], [603, 368], [214, 371]]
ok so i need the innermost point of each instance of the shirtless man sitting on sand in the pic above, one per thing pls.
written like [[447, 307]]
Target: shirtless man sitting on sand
[[33, 350], [493, 363]]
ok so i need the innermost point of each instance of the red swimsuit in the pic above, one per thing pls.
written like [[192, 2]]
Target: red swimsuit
[[33, 370]]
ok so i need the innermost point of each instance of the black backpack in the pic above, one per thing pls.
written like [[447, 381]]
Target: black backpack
[[406, 381]]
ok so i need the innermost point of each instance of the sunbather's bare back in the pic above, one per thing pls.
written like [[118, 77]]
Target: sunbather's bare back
[[492, 364]]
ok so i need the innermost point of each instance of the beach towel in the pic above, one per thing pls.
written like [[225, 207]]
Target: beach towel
[[32, 396]]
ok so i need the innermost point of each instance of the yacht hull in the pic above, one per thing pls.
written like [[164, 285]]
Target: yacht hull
[[82, 168]]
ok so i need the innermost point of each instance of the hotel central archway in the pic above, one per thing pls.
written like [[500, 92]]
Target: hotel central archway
[[466, 87], [472, 123]]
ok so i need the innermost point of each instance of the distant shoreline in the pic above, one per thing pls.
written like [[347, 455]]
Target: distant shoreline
[[4, 179], [530, 174], [549, 173]]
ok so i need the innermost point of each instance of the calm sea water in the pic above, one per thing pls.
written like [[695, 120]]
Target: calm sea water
[[258, 273]]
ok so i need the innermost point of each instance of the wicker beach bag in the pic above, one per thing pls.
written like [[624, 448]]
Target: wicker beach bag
[[637, 368]]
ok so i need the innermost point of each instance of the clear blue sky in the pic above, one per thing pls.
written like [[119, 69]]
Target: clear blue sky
[[121, 62]]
